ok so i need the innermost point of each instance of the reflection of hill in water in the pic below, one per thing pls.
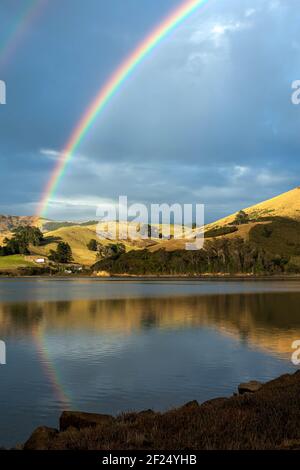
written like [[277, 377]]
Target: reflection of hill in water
[[267, 321]]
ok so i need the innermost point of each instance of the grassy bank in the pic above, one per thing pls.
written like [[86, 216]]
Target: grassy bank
[[14, 261], [266, 419]]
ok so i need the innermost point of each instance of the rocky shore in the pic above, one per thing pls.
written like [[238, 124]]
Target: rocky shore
[[258, 416]]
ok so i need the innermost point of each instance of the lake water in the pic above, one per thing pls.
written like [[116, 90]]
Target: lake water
[[112, 346]]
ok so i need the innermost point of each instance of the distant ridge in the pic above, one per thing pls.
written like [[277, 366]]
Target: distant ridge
[[10, 222], [273, 224], [285, 205]]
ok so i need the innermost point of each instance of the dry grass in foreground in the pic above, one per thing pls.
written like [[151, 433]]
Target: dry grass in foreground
[[267, 419]]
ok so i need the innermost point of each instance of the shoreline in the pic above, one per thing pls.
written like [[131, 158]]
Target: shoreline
[[133, 278], [248, 420]]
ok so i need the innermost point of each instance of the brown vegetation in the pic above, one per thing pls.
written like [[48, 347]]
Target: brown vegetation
[[266, 419]]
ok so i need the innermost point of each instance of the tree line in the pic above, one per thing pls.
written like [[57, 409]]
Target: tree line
[[218, 256], [25, 236], [22, 238]]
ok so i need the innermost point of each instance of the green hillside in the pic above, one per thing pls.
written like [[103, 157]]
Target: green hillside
[[14, 261], [272, 226]]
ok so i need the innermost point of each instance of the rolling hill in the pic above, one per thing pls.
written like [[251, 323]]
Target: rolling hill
[[9, 222], [281, 214], [273, 225], [76, 235], [286, 205], [269, 237]]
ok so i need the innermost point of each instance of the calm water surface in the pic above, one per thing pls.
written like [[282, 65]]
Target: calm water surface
[[112, 346]]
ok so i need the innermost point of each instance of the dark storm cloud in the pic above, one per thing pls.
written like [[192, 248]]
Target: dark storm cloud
[[207, 118]]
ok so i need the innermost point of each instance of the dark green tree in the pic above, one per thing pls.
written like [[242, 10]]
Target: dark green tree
[[221, 255], [22, 238], [112, 250], [63, 253], [241, 218], [28, 235], [92, 245]]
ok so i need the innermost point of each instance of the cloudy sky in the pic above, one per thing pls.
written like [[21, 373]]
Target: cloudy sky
[[206, 118]]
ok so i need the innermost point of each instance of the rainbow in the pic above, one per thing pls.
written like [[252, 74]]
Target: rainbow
[[7, 48], [49, 369], [25, 19], [109, 89]]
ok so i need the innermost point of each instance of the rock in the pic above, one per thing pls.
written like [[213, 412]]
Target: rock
[[41, 438], [132, 417], [146, 413], [214, 402], [190, 405], [249, 387], [80, 420]]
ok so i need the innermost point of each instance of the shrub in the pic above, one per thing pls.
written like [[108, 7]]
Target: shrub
[[220, 231], [63, 253]]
